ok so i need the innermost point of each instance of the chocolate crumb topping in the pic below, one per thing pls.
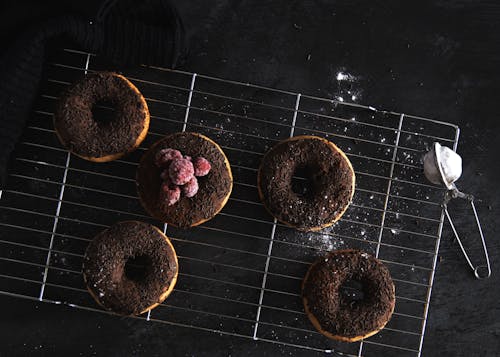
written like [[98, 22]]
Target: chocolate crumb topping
[[328, 293], [129, 267], [91, 137], [213, 188], [328, 187]]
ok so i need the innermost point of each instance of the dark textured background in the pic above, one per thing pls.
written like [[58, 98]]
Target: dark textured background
[[437, 59]]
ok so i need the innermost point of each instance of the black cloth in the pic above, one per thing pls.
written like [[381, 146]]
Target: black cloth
[[124, 32]]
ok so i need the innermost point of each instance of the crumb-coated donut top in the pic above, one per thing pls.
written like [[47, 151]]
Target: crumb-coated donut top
[[329, 174], [91, 137], [213, 188], [337, 312], [129, 266]]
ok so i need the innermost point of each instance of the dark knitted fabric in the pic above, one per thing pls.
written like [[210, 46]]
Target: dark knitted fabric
[[124, 32]]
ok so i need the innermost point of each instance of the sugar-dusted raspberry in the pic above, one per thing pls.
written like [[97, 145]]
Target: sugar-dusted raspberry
[[190, 188], [169, 194], [181, 171], [165, 156], [188, 157], [164, 175], [167, 186], [201, 166]]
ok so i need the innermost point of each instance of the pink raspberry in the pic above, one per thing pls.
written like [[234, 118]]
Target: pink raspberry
[[169, 194], [165, 156], [201, 166], [181, 171], [190, 188], [164, 175], [167, 185]]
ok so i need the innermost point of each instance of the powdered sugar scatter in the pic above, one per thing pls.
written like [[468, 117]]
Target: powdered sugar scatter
[[345, 77], [328, 242], [341, 76], [348, 86]]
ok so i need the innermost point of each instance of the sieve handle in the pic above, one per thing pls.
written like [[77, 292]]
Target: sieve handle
[[481, 271]]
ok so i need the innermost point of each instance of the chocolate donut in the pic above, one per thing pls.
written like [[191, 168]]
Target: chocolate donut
[[130, 268], [330, 178], [336, 312], [213, 191], [93, 138]]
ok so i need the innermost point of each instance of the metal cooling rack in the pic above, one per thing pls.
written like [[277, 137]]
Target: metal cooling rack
[[240, 273]]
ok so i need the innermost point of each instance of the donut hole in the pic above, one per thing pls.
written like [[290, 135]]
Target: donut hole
[[352, 291], [304, 180], [103, 112], [138, 268]]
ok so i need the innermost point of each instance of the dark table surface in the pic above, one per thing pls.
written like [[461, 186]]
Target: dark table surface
[[438, 59]]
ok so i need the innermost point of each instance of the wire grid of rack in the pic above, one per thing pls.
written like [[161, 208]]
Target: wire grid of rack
[[240, 273]]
